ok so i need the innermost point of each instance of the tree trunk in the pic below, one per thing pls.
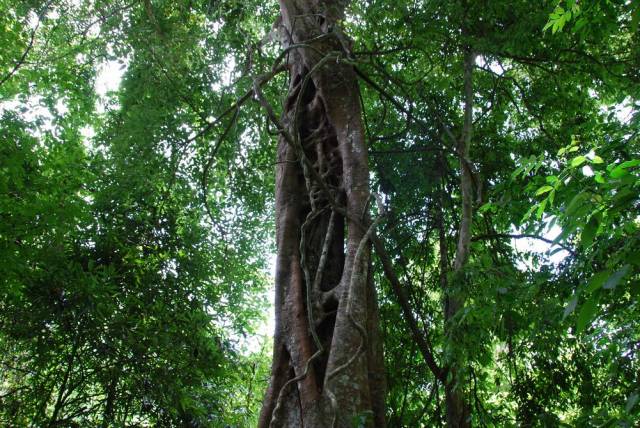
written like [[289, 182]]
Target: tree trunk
[[109, 409], [327, 365], [458, 409]]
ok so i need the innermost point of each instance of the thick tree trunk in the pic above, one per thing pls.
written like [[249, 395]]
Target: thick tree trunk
[[327, 360]]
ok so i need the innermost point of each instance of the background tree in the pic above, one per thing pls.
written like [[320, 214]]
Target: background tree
[[116, 308]]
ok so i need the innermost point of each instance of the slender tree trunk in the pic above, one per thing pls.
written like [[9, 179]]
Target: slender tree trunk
[[63, 391], [108, 412], [327, 365], [457, 406]]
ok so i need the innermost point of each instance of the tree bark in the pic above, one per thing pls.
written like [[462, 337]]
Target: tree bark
[[457, 406], [327, 365]]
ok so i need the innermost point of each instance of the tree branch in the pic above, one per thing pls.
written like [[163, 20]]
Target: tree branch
[[399, 290], [23, 57]]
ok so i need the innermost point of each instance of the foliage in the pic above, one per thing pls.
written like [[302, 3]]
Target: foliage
[[121, 305], [534, 343]]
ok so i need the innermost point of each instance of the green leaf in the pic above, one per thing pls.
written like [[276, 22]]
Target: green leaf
[[517, 172], [579, 24], [541, 208], [543, 189], [528, 214], [556, 251], [622, 169], [631, 402], [618, 172], [578, 160], [630, 163], [486, 207], [597, 160], [575, 203], [589, 232], [635, 18], [548, 24], [571, 306], [614, 279], [634, 289], [596, 281], [587, 312]]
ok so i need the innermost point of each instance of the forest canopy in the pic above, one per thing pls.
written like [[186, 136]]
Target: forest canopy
[[236, 213]]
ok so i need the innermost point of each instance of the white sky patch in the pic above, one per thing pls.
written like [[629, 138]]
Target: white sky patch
[[264, 332], [61, 107], [533, 245], [87, 133], [624, 111], [226, 75], [108, 78], [33, 21], [214, 26], [493, 65], [53, 14]]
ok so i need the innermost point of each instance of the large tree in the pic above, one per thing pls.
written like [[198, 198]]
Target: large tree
[[327, 361]]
